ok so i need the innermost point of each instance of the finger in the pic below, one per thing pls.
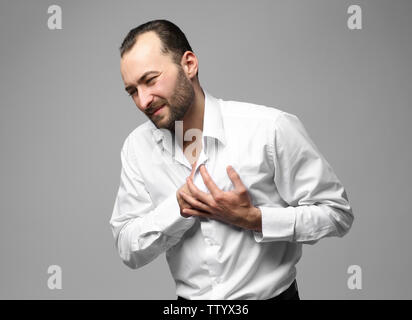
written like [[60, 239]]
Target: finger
[[194, 203], [194, 212], [207, 179], [198, 194], [192, 173], [185, 204], [235, 178], [185, 215]]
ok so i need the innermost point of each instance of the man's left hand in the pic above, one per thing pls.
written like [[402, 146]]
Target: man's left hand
[[233, 207]]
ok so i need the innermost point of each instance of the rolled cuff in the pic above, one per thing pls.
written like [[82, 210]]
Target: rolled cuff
[[167, 218], [278, 224]]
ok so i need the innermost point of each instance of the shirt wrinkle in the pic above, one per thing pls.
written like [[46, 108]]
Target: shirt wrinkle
[[280, 166]]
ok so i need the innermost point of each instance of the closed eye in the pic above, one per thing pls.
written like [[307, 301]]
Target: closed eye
[[132, 92], [150, 80]]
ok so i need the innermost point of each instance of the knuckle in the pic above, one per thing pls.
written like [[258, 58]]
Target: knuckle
[[214, 205], [219, 197]]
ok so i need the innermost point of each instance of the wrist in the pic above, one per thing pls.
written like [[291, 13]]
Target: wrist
[[256, 219]]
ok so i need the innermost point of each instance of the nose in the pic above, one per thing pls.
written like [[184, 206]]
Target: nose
[[145, 98]]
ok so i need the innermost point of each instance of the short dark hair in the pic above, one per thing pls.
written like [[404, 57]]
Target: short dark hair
[[172, 38]]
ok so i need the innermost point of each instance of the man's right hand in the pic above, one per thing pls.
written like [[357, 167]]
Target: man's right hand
[[182, 203]]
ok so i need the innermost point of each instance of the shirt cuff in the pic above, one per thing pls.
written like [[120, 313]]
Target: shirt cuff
[[278, 224], [168, 220]]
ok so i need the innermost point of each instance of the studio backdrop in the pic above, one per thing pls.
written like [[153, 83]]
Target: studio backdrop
[[343, 67]]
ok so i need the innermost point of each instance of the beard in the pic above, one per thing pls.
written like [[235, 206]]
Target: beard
[[180, 102]]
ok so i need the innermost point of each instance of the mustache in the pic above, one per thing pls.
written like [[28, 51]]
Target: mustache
[[155, 106]]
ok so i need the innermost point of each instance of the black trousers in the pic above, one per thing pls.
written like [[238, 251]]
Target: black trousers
[[290, 293]]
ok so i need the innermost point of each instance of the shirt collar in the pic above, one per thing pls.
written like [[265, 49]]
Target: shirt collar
[[212, 122]]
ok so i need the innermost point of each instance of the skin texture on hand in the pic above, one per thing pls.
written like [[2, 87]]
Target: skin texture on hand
[[234, 207]]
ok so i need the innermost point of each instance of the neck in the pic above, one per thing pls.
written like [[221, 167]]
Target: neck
[[193, 118]]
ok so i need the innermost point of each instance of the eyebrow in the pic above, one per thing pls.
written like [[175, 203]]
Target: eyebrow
[[142, 78]]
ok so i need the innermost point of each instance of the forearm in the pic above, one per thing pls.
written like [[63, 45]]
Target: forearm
[[141, 237], [318, 205], [305, 223]]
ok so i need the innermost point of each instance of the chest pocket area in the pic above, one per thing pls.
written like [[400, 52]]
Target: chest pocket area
[[219, 176], [249, 177], [257, 180]]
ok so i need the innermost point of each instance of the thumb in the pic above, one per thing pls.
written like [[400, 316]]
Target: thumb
[[192, 174], [235, 178]]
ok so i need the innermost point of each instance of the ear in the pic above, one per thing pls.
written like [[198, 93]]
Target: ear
[[189, 64]]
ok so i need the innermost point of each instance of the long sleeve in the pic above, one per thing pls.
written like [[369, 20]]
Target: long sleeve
[[142, 231], [317, 202]]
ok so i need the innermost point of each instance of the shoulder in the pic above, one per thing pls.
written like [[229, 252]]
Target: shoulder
[[237, 110], [140, 136]]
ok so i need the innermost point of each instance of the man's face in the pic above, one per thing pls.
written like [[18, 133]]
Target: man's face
[[157, 85]]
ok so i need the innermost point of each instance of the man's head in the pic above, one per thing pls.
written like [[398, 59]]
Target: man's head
[[159, 69]]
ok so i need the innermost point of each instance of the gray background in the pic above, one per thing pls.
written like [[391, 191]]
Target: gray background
[[64, 116]]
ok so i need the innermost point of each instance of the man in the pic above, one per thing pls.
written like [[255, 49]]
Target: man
[[233, 211]]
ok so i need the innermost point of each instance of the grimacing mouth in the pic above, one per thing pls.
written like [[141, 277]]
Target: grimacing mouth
[[157, 108]]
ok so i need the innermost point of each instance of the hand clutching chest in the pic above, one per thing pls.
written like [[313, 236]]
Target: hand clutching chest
[[232, 206]]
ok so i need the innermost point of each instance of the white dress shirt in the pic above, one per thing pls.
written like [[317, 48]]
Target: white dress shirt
[[299, 195]]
